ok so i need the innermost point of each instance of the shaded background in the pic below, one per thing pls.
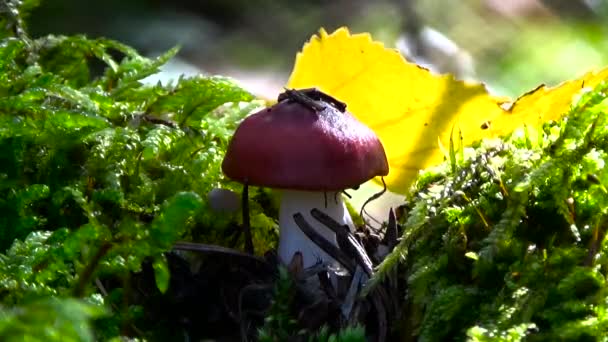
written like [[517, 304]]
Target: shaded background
[[510, 45]]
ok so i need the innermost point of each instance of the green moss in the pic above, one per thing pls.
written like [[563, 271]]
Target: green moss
[[509, 244], [100, 172]]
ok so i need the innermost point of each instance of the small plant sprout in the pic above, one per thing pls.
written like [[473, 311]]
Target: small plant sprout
[[309, 146]]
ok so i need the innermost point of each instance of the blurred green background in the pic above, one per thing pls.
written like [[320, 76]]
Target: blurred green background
[[512, 46]]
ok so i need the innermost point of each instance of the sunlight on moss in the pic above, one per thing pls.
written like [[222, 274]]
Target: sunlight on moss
[[99, 173], [510, 244]]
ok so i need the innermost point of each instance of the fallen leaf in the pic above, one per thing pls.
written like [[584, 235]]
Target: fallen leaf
[[411, 108]]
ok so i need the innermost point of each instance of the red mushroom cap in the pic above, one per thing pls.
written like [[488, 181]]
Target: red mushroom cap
[[293, 146]]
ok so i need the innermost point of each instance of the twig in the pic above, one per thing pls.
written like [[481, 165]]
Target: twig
[[325, 245], [314, 94], [390, 236], [101, 288], [372, 198], [246, 222], [319, 267], [158, 121], [351, 295], [214, 249], [302, 98], [327, 286], [345, 240]]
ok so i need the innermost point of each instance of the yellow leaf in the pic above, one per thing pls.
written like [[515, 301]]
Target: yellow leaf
[[409, 107]]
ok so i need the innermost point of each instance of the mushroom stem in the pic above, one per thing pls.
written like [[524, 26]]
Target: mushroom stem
[[292, 239]]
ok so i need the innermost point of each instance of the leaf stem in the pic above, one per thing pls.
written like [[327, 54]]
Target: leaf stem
[[88, 271]]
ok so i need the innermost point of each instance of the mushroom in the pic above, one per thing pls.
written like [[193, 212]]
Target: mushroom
[[312, 149]]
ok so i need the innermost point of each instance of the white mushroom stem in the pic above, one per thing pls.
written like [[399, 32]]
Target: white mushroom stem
[[291, 237]]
